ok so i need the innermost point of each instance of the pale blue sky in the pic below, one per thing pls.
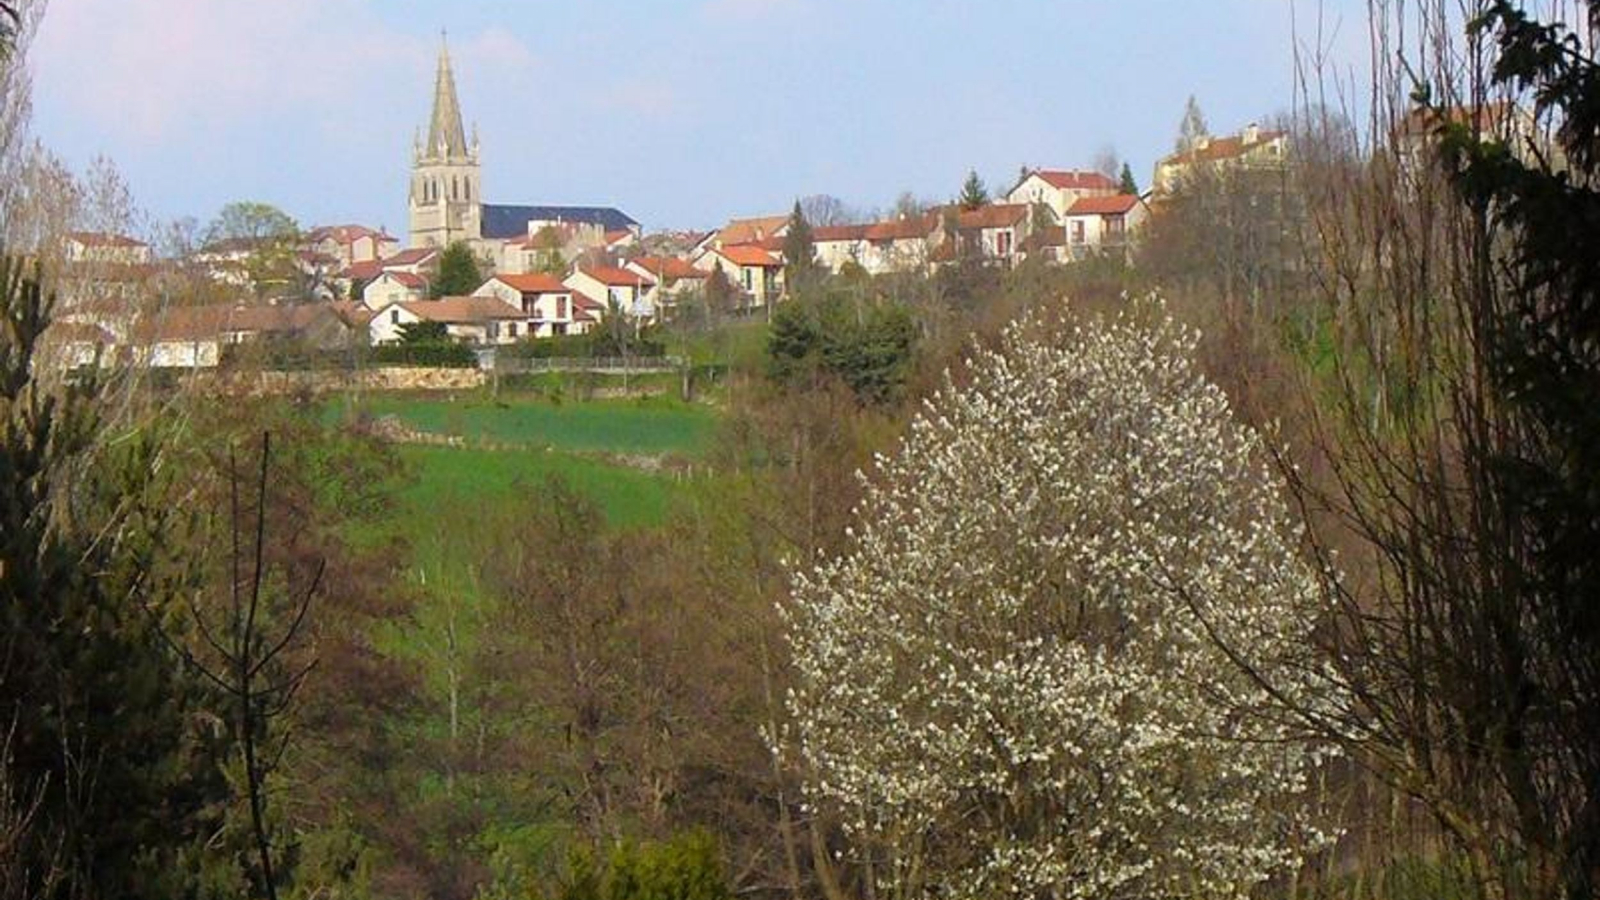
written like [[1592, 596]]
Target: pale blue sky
[[680, 113]]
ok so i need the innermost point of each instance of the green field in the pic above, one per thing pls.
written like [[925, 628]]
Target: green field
[[638, 426], [464, 478]]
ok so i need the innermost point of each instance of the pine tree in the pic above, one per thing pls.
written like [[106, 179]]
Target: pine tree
[[94, 706], [799, 254], [1127, 184], [973, 192]]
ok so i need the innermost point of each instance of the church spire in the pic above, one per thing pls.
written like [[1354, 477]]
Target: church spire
[[446, 138]]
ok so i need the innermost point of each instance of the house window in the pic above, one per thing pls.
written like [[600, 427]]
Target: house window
[[511, 329], [749, 279], [561, 309], [558, 328], [1077, 232], [1002, 243], [394, 317]]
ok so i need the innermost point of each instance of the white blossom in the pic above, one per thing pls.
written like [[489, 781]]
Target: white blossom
[[1013, 684]]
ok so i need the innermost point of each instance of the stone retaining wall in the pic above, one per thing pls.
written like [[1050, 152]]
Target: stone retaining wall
[[380, 378]]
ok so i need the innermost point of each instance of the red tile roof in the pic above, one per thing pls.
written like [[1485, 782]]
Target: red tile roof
[[534, 283], [365, 270], [749, 255], [743, 231], [618, 236], [1076, 179], [412, 257], [345, 234], [1115, 205], [901, 229], [996, 215], [407, 279], [1218, 148], [614, 277], [193, 323], [668, 267], [823, 233]]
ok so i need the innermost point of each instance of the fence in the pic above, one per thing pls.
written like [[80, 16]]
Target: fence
[[603, 364]]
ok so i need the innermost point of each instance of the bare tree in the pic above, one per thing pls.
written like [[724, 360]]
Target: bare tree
[[247, 659]]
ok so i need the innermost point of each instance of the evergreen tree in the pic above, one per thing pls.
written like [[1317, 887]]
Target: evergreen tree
[[973, 192], [458, 273], [800, 269], [1537, 609], [1127, 184], [116, 794]]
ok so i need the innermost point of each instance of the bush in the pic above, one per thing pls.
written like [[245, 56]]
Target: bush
[[686, 867], [442, 354]]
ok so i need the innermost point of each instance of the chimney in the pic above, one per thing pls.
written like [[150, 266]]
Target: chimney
[[1251, 134]]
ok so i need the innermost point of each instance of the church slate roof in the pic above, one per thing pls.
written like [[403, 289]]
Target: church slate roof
[[503, 221]]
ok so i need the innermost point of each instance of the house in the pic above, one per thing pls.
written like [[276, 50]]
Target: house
[[416, 261], [1060, 188], [198, 336], [549, 306], [350, 244], [551, 248], [994, 232], [754, 271], [1252, 148], [393, 287], [837, 246], [75, 345], [1104, 224], [674, 278], [475, 320], [745, 231], [900, 245], [104, 247], [630, 291], [1416, 135]]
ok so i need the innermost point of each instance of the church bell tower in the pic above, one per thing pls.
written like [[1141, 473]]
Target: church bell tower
[[446, 200]]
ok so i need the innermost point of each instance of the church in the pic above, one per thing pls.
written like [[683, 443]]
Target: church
[[446, 201]]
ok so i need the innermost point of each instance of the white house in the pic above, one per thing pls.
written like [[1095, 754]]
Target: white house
[[476, 320], [551, 307], [1060, 188], [992, 232], [1104, 224], [393, 287], [754, 271], [631, 291]]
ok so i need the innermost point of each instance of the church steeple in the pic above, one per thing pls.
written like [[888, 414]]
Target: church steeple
[[445, 201], [446, 138]]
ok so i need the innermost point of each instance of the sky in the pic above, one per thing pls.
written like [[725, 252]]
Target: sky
[[682, 113]]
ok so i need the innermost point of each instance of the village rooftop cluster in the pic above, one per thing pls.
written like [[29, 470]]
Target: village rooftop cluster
[[563, 270]]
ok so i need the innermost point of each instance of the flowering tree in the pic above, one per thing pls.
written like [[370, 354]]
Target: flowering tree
[[1016, 683]]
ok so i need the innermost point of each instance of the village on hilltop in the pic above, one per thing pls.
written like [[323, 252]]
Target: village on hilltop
[[563, 270]]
